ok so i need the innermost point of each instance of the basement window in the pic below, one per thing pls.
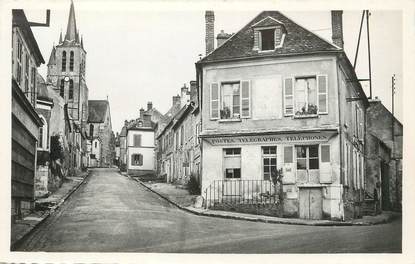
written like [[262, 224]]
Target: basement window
[[267, 39]]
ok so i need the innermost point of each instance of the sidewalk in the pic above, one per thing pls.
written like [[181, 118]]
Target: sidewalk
[[46, 206], [182, 199]]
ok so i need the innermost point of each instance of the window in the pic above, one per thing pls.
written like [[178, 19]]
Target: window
[[91, 130], [33, 84], [41, 137], [137, 141], [305, 95], [64, 61], [26, 75], [267, 39], [346, 163], [232, 101], [307, 157], [62, 89], [269, 161], [70, 94], [71, 61], [19, 60], [182, 135], [232, 163], [43, 134], [96, 144], [137, 160], [358, 122]]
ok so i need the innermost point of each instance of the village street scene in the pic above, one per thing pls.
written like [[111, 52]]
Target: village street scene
[[281, 140]]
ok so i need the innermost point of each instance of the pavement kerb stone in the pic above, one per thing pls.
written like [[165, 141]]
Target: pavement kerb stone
[[48, 213], [253, 218]]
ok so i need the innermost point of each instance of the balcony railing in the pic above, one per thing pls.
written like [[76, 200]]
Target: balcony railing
[[239, 192]]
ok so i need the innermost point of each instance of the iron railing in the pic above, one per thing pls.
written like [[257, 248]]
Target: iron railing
[[233, 192]]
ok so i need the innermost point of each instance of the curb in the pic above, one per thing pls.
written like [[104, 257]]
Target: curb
[[253, 219], [48, 213], [271, 221]]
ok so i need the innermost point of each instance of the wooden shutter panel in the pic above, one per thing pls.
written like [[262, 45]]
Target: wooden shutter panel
[[288, 169], [245, 99], [325, 164], [322, 85], [288, 96], [214, 101]]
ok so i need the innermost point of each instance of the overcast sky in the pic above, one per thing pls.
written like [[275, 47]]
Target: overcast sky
[[135, 55]]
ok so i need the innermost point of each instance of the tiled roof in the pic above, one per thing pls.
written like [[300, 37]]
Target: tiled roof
[[97, 110], [298, 40]]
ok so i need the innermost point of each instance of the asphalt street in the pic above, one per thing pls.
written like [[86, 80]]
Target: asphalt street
[[112, 213]]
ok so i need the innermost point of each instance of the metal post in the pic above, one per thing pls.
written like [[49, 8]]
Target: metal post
[[368, 51], [358, 40]]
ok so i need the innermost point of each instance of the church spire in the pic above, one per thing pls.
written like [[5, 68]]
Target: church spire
[[60, 38], [82, 41], [71, 32]]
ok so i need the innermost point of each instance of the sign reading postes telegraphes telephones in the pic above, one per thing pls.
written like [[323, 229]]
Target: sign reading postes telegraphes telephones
[[271, 139]]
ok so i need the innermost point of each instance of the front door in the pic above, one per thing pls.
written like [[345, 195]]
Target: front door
[[311, 203]]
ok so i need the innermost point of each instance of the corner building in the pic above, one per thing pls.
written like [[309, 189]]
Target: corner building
[[276, 96]]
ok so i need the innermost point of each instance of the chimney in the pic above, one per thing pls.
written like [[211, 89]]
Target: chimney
[[176, 100], [337, 27], [126, 122], [184, 95], [141, 113], [193, 92], [147, 118], [149, 106], [222, 37], [210, 31]]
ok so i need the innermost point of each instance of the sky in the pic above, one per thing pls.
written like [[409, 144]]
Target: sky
[[136, 55]]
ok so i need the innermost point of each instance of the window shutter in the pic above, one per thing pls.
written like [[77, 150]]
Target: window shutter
[[245, 99], [214, 101], [322, 83], [288, 96], [325, 164], [288, 169]]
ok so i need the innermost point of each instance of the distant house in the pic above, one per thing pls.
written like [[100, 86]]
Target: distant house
[[26, 137], [384, 157], [140, 147], [99, 132]]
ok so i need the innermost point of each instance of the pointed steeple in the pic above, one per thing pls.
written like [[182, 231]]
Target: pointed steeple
[[52, 58], [77, 37], [82, 41], [71, 31], [60, 38]]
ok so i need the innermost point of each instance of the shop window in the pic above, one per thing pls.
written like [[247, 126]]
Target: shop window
[[230, 100], [137, 160], [232, 163], [269, 162], [307, 157], [267, 39]]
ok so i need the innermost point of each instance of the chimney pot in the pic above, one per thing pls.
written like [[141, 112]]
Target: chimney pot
[[149, 106], [337, 27]]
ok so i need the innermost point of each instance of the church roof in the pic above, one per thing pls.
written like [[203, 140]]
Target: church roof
[[52, 58], [97, 110], [298, 40], [42, 89], [71, 35]]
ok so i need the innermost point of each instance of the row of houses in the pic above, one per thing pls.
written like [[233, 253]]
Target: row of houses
[[56, 131], [274, 104]]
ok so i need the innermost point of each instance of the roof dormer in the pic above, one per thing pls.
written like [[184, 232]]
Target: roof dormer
[[269, 34]]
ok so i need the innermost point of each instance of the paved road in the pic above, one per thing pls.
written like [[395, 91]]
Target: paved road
[[111, 213]]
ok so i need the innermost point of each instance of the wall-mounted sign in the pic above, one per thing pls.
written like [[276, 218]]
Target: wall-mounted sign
[[273, 139]]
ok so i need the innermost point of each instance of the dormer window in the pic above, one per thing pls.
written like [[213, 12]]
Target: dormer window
[[269, 34], [267, 39]]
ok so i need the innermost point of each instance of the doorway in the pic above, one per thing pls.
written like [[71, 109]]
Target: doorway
[[384, 178], [311, 203]]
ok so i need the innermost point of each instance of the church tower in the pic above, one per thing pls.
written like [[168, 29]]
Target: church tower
[[66, 70]]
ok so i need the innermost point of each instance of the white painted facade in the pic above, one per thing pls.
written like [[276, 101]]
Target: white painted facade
[[140, 155]]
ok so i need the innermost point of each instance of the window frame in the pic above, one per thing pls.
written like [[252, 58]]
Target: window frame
[[70, 90], [139, 159], [268, 156], [232, 155], [63, 66], [307, 157], [260, 40], [71, 60]]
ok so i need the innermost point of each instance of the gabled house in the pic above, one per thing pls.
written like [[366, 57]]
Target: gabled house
[[277, 97]]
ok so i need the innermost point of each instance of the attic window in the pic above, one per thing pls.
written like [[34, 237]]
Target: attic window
[[267, 39]]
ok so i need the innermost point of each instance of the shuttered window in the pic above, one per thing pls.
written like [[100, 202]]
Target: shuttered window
[[246, 99], [137, 140], [288, 154], [325, 165], [322, 94], [325, 153], [214, 101], [288, 97]]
